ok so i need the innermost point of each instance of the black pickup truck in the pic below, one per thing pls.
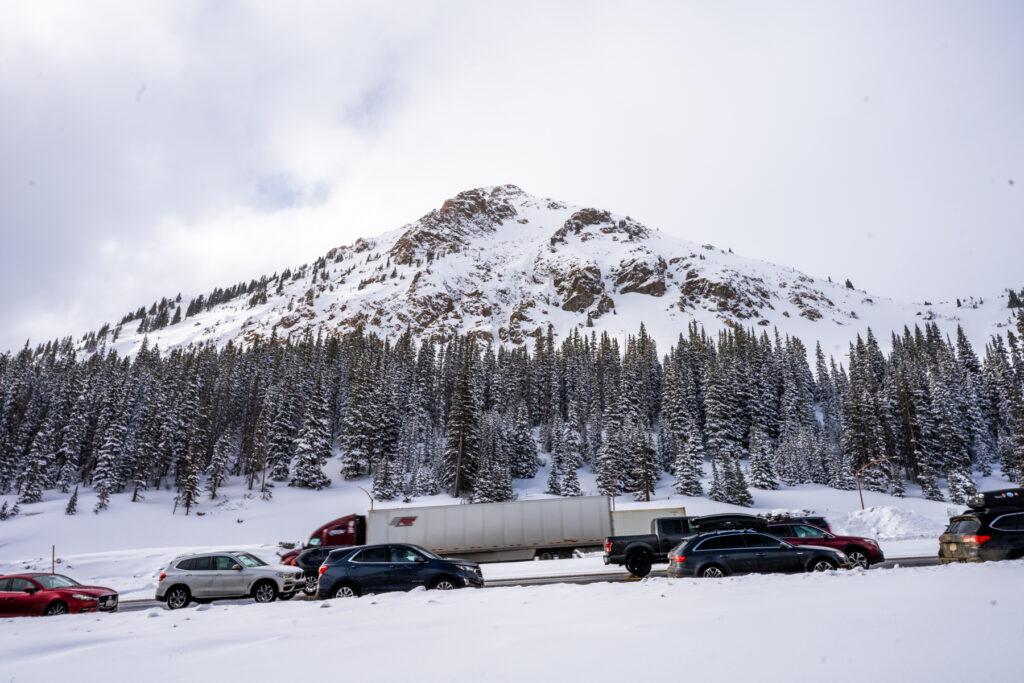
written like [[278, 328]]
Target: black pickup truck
[[638, 553]]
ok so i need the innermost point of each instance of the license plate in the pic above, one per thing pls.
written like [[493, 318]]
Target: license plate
[[951, 547]]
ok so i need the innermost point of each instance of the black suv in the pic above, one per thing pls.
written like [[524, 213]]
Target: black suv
[[350, 572], [309, 562], [992, 530], [721, 553]]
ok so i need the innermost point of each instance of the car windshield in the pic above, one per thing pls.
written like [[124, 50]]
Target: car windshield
[[248, 560], [314, 541], [52, 581]]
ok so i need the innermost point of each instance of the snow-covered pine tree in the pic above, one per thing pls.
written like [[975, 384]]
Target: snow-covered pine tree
[[462, 434], [313, 449], [762, 473], [216, 472], [72, 506], [644, 476]]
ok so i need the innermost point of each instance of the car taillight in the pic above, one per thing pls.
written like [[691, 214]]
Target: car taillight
[[322, 569], [163, 575], [977, 539], [679, 559], [608, 546]]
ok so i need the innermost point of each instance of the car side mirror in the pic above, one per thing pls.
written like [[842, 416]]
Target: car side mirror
[[236, 567], [31, 590], [420, 560], [784, 546]]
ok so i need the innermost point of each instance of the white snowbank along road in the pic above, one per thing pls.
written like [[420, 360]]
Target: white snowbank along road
[[955, 623]]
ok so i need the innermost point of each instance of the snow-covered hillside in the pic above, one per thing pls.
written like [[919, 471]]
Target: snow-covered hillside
[[503, 264]]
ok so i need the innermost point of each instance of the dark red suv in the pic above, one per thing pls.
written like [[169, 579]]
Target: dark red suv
[[863, 552], [51, 594]]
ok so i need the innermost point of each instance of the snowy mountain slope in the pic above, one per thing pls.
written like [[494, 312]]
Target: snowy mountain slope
[[502, 264]]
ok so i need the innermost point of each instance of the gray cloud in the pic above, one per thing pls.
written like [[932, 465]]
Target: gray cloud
[[146, 150]]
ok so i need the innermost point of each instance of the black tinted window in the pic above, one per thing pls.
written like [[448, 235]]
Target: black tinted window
[[1009, 522], [197, 564], [672, 527], [722, 543], [964, 526], [372, 555], [781, 530], [807, 531], [760, 541]]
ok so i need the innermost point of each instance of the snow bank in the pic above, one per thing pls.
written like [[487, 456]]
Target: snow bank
[[851, 626], [887, 524]]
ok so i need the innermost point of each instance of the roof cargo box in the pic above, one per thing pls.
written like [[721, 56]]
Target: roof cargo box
[[1003, 498]]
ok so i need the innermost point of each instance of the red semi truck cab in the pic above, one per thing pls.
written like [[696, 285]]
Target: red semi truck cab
[[344, 531]]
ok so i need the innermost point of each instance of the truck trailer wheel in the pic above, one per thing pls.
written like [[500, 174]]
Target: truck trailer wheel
[[638, 564]]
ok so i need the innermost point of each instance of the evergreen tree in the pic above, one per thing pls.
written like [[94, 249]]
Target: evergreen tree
[[72, 507], [762, 474]]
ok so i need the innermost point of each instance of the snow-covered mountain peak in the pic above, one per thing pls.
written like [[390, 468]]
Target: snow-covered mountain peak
[[502, 264]]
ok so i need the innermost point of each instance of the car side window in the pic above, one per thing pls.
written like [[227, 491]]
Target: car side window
[[1014, 522], [805, 531], [404, 554], [782, 531], [187, 565], [5, 585], [730, 542], [672, 527], [223, 563], [372, 555], [760, 541], [202, 564], [19, 585]]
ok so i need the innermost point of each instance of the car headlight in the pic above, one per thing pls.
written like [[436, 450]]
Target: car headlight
[[82, 596], [467, 568], [280, 575]]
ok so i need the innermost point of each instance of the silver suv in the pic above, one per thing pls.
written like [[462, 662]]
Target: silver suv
[[203, 577]]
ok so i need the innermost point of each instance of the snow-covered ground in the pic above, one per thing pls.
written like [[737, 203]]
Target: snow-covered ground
[[952, 623], [126, 546]]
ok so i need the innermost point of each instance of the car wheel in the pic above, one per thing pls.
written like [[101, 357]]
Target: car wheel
[[178, 597], [311, 585], [712, 572], [859, 558], [55, 609], [823, 565], [445, 583], [264, 591], [638, 564], [345, 591]]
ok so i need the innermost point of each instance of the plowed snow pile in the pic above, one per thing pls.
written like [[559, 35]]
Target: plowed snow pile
[[887, 524]]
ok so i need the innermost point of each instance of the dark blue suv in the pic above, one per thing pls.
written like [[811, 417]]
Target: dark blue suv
[[350, 572]]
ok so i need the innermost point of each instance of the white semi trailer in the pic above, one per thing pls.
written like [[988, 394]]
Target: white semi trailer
[[519, 530]]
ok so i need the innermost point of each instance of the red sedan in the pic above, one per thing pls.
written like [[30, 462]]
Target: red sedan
[[36, 594], [863, 552]]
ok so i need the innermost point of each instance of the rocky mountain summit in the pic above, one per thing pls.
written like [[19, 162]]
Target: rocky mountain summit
[[502, 265]]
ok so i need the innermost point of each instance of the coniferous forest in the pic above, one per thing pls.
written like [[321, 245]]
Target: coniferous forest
[[754, 410]]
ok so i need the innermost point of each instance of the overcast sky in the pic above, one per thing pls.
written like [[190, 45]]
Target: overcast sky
[[148, 148]]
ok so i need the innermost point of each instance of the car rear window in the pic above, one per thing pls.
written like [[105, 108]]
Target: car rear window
[[964, 526]]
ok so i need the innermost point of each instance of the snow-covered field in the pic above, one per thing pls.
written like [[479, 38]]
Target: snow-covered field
[[954, 623], [126, 546]]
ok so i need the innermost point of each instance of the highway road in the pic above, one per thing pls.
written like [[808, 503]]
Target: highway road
[[595, 577]]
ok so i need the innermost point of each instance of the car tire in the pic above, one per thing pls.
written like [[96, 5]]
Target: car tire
[[178, 597], [712, 571], [822, 564], [859, 558], [310, 587], [445, 583], [55, 609], [345, 590], [264, 591], [638, 564]]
